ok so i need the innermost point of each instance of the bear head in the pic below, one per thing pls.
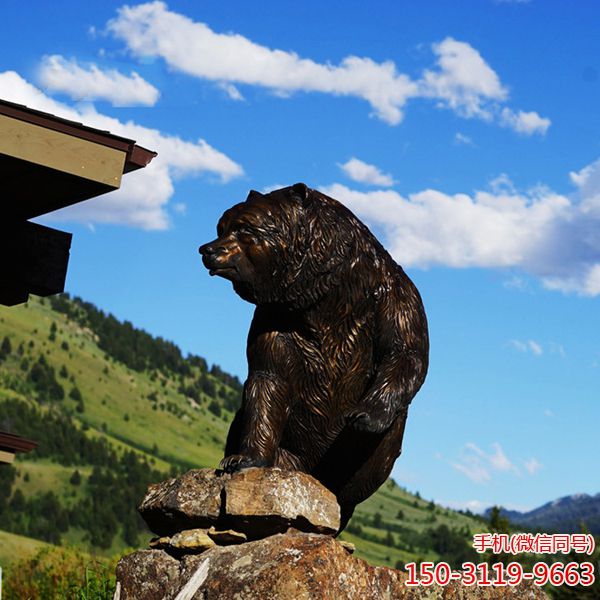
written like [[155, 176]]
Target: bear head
[[289, 246]]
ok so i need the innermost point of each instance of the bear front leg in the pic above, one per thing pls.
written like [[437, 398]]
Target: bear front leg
[[260, 423], [396, 383]]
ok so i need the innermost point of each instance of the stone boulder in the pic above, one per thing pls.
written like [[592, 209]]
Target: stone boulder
[[292, 566], [261, 534], [255, 502]]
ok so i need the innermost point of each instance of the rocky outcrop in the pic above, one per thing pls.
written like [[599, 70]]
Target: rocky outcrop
[[262, 534], [293, 566], [255, 502]]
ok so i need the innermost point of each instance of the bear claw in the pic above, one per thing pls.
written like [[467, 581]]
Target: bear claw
[[237, 462]]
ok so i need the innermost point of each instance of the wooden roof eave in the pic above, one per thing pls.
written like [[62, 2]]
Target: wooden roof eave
[[15, 443], [137, 157]]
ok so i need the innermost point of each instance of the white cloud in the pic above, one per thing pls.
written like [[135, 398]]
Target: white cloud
[[192, 47], [532, 466], [360, 171], [462, 81], [479, 466], [535, 347], [586, 284], [517, 283], [553, 237], [524, 122], [473, 464], [587, 181], [462, 139], [473, 469], [144, 194], [482, 230], [502, 184], [531, 346], [499, 461], [267, 189], [232, 92], [57, 74], [518, 345], [480, 506], [475, 506]]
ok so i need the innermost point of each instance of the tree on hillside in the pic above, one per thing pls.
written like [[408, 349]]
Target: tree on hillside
[[75, 394], [389, 541], [208, 386], [451, 545], [141, 351], [215, 408], [8, 475], [199, 362], [498, 523], [43, 377], [5, 347]]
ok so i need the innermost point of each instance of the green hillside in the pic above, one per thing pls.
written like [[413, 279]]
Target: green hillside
[[114, 409]]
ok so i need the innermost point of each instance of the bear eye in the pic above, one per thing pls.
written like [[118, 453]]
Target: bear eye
[[247, 234]]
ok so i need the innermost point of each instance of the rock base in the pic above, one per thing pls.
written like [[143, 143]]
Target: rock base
[[262, 534], [293, 566]]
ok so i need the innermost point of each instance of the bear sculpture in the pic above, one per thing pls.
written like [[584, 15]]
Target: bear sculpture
[[337, 348]]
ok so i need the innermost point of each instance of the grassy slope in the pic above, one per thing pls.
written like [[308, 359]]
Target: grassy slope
[[116, 398], [117, 407], [416, 516], [16, 547]]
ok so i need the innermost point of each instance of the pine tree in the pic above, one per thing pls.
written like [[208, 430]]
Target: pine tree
[[389, 539], [5, 348]]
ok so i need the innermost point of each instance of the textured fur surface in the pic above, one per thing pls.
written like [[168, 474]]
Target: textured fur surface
[[337, 348]]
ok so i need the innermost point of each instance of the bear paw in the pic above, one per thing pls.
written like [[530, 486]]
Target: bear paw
[[237, 462], [365, 423]]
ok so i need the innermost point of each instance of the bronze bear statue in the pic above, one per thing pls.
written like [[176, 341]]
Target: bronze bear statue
[[337, 348]]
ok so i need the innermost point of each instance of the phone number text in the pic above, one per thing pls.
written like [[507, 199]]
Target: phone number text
[[500, 575]]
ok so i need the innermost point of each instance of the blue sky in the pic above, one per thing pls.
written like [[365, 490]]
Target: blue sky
[[466, 135]]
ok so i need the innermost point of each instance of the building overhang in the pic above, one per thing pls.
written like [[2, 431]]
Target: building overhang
[[11, 444], [48, 163]]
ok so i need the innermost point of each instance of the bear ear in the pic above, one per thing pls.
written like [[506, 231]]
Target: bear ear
[[253, 195], [299, 190]]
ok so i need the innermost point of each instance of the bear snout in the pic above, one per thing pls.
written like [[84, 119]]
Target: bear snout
[[207, 249], [220, 258]]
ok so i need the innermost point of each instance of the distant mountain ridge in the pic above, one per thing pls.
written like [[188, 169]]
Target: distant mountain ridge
[[563, 515]]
